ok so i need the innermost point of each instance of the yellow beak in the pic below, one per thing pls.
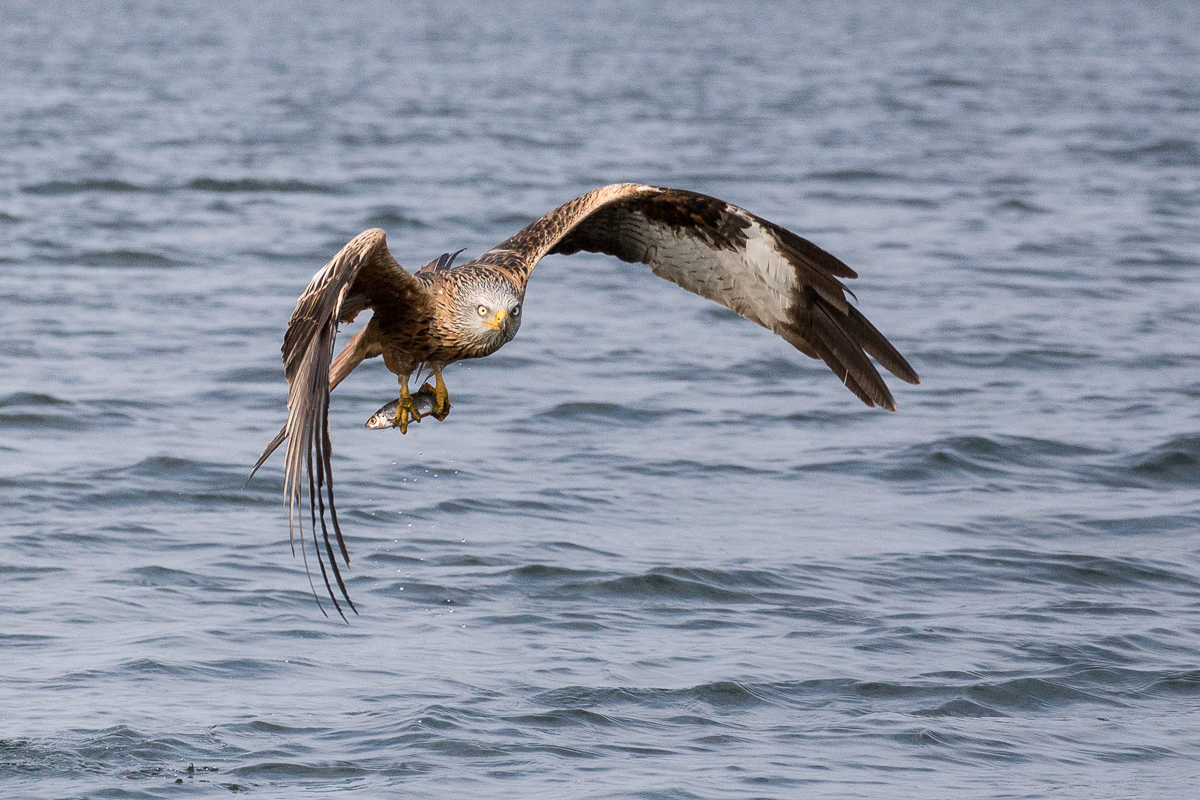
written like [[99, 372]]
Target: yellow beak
[[499, 322]]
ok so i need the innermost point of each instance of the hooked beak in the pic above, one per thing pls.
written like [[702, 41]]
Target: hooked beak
[[498, 322]]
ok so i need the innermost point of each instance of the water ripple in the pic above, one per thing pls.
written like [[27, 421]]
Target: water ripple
[[654, 552]]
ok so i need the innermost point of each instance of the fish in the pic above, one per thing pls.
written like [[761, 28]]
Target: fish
[[385, 417]]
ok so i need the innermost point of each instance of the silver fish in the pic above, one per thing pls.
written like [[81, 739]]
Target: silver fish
[[386, 416]]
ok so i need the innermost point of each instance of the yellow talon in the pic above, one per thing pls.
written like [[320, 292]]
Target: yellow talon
[[441, 399], [406, 411]]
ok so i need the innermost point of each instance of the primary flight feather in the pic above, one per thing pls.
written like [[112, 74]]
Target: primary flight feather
[[442, 313]]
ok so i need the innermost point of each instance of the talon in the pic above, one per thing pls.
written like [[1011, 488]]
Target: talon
[[441, 399], [406, 411]]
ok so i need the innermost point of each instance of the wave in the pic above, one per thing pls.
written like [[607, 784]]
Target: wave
[[392, 217], [86, 185], [855, 176], [272, 185], [1170, 152], [1175, 462], [119, 258], [1170, 464], [939, 694], [39, 411]]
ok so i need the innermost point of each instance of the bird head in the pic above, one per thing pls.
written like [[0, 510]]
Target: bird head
[[489, 313]]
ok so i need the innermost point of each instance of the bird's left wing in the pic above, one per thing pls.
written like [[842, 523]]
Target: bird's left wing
[[362, 275], [760, 270]]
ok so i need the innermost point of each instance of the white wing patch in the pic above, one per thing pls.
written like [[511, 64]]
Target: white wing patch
[[756, 282]]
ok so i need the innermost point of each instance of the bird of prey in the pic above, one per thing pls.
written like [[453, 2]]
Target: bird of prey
[[427, 320]]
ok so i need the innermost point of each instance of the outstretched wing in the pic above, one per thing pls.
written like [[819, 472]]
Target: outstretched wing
[[362, 275], [765, 273]]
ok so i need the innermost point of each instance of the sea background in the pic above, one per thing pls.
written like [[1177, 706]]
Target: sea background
[[654, 552]]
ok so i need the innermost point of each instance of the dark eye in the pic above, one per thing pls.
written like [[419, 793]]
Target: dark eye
[[482, 311], [516, 312]]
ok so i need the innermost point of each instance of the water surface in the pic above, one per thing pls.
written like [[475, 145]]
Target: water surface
[[653, 552]]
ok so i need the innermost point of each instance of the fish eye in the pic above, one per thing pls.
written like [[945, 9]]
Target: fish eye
[[482, 311]]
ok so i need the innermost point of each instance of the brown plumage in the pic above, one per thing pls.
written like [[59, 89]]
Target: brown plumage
[[442, 313]]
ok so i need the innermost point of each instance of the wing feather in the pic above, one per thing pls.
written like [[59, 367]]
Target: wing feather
[[362, 275], [760, 270]]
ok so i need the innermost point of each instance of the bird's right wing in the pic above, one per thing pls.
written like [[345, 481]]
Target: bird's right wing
[[362, 275]]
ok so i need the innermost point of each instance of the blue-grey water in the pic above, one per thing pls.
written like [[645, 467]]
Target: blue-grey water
[[653, 552]]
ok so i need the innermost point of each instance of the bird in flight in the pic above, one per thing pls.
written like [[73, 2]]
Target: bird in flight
[[427, 320]]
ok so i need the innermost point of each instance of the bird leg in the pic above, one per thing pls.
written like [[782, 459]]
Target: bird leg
[[406, 411], [441, 398]]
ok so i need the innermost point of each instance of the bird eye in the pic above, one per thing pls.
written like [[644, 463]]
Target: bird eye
[[516, 312], [482, 311]]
